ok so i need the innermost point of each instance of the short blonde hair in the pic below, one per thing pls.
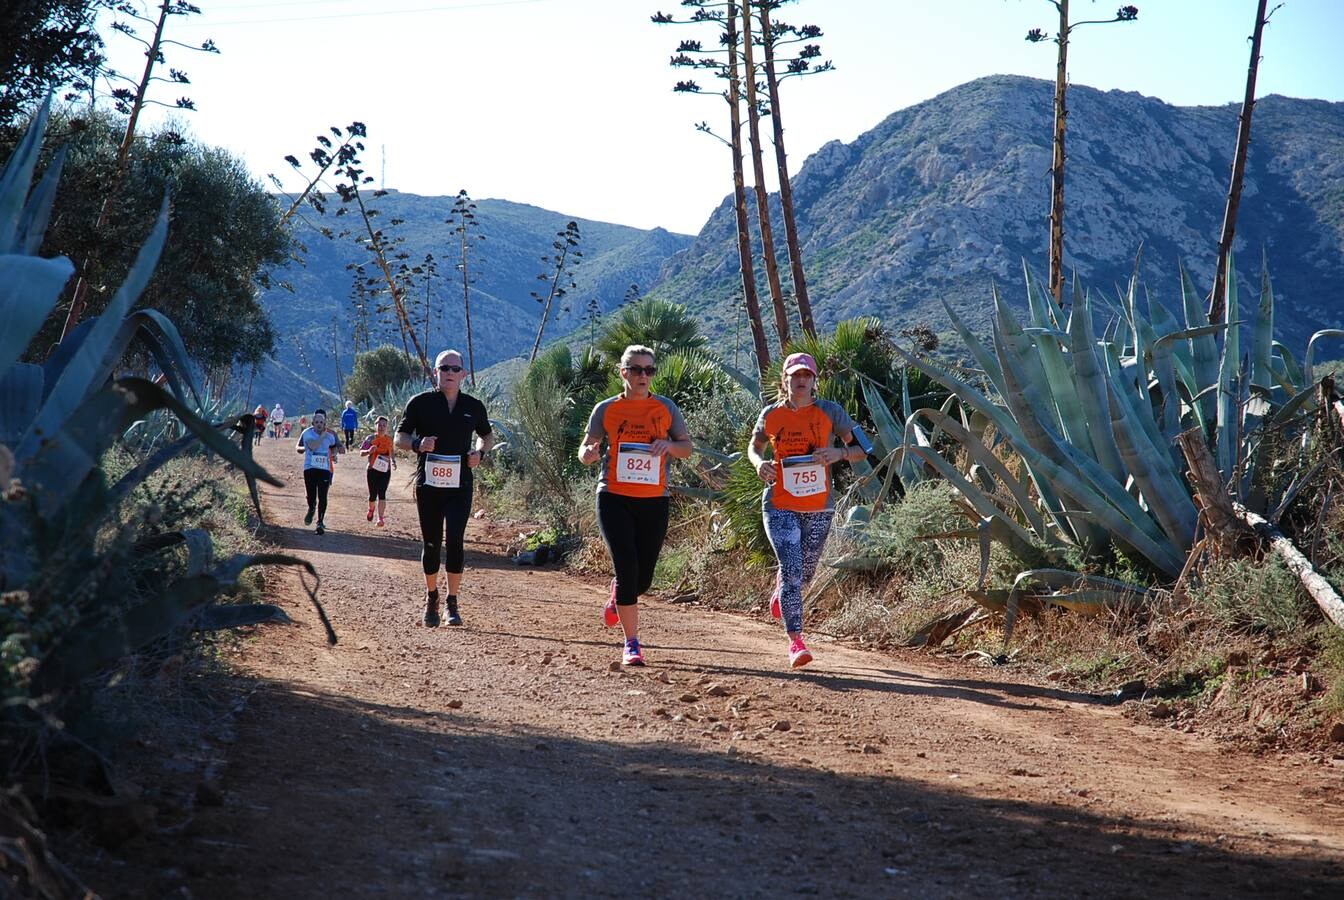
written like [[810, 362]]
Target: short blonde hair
[[634, 350]]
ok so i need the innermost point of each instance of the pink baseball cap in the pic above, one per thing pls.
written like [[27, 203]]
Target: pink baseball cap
[[796, 362]]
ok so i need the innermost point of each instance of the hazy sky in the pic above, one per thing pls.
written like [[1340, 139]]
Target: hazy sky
[[567, 104]]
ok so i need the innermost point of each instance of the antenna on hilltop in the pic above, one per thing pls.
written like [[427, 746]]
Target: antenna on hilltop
[[382, 148]]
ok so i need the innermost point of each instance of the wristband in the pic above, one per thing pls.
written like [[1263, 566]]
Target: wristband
[[415, 445]]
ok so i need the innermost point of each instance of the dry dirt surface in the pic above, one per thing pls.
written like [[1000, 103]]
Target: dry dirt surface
[[511, 758]]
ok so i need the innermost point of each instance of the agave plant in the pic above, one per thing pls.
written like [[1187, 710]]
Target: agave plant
[[1093, 418], [70, 553]]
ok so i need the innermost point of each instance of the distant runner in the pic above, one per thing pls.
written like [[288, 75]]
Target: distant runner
[[378, 448], [260, 417], [438, 426], [633, 434], [320, 448], [798, 502], [277, 420], [349, 422]]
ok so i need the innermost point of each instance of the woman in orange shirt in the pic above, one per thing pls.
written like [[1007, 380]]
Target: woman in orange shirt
[[798, 502], [641, 432], [378, 448]]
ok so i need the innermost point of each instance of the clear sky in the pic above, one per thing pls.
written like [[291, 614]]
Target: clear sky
[[567, 104]]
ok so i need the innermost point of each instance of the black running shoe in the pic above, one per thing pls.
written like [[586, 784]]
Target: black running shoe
[[431, 609], [453, 617], [308, 519], [321, 529]]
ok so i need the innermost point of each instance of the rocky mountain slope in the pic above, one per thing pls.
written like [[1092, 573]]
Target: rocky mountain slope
[[946, 197], [313, 319]]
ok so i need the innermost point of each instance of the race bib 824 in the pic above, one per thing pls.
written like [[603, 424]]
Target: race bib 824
[[636, 465]]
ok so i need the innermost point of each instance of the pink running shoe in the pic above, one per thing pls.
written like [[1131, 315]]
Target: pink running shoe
[[381, 522], [775, 611], [369, 517], [799, 655], [633, 654], [609, 615]]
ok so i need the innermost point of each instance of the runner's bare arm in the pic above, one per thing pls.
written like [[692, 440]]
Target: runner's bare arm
[[756, 453]]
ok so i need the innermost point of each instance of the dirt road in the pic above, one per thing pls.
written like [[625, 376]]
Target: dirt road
[[508, 758]]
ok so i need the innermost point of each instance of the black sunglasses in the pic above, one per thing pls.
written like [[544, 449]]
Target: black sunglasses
[[450, 368], [641, 370]]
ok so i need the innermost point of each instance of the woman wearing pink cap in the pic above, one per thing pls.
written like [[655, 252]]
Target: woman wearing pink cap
[[798, 501]]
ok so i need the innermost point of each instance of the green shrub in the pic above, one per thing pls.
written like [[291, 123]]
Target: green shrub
[[1245, 595]]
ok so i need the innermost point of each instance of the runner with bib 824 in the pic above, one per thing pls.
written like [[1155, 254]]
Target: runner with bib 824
[[633, 434]]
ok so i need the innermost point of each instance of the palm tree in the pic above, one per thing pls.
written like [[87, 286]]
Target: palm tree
[[664, 326]]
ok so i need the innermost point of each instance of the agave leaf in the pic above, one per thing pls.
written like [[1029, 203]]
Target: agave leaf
[[237, 615], [33, 225], [1311, 349], [982, 455], [889, 431], [1229, 371], [17, 177], [1014, 535], [161, 337], [1262, 331], [93, 362], [20, 396], [982, 355], [1166, 497], [1291, 378], [29, 289], [749, 383], [1203, 347], [1062, 584], [1044, 312], [1092, 390]]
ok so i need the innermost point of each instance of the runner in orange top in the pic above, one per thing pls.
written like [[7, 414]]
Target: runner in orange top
[[635, 434], [378, 448], [798, 502]]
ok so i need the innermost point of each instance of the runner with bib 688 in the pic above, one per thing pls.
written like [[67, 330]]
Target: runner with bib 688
[[634, 434], [798, 502], [438, 426], [320, 448]]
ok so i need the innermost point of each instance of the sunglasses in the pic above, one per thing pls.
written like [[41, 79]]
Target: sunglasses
[[450, 369], [641, 370]]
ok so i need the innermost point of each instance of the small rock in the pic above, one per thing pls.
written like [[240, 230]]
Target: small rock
[[1131, 688], [1237, 658], [688, 698], [663, 677], [1337, 731], [781, 725], [615, 666], [1162, 710], [922, 755], [454, 704], [871, 749], [1019, 772], [718, 690], [660, 712], [1308, 684]]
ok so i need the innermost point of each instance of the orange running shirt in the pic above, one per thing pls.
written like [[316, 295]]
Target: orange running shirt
[[626, 427], [801, 485], [381, 446]]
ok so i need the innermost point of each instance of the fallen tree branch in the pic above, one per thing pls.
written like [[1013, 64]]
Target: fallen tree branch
[[1312, 581]]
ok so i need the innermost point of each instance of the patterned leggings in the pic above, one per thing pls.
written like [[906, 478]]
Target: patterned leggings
[[798, 538]]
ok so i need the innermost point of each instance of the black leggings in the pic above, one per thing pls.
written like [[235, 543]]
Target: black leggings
[[633, 529], [349, 438], [316, 482], [437, 507], [378, 484]]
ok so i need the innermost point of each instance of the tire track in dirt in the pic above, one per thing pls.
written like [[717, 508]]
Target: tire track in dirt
[[508, 758]]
